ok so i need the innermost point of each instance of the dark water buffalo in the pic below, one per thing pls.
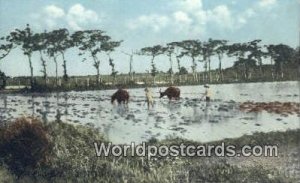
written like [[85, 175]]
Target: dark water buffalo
[[171, 92], [121, 96]]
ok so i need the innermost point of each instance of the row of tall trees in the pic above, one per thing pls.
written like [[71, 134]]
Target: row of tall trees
[[54, 45], [247, 56], [96, 44]]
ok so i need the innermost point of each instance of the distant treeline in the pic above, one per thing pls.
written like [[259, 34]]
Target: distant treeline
[[52, 47]]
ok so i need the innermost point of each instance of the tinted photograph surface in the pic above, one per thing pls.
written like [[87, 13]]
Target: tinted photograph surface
[[149, 91]]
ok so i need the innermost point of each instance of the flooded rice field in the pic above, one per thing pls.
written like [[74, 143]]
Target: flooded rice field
[[189, 117]]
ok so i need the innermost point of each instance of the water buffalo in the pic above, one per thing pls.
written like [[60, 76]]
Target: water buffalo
[[122, 96], [171, 92]]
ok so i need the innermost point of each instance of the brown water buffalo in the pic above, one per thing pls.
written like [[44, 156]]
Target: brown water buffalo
[[171, 92], [122, 96]]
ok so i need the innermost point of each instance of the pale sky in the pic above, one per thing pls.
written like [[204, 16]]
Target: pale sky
[[143, 23]]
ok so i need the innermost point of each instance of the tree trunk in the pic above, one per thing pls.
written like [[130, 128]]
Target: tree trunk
[[281, 70], [260, 68], [98, 75], [209, 74], [44, 68], [179, 66], [31, 71], [114, 79], [65, 76], [178, 63], [272, 69], [171, 69], [130, 67], [205, 70], [194, 69], [220, 68], [245, 72], [153, 72], [97, 66], [56, 72]]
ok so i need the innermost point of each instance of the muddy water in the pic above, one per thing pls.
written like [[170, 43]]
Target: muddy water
[[189, 117]]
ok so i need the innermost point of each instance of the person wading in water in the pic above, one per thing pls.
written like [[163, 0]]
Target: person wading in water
[[149, 97], [207, 94]]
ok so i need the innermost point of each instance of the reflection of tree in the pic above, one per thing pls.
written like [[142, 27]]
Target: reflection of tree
[[197, 114], [58, 113], [47, 109], [66, 112], [33, 106], [214, 112], [172, 106], [4, 110], [5, 102], [106, 129]]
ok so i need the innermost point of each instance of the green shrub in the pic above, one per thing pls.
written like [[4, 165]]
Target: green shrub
[[24, 144]]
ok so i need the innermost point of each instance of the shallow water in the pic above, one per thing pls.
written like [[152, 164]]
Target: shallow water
[[189, 117]]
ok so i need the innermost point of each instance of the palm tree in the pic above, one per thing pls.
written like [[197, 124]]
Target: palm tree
[[63, 43], [281, 54], [24, 39], [54, 49], [209, 49], [192, 48], [90, 41], [169, 50], [239, 50], [272, 54], [257, 53], [130, 63], [177, 46], [5, 48], [153, 52], [40, 45], [59, 41], [52, 53], [220, 51], [109, 47]]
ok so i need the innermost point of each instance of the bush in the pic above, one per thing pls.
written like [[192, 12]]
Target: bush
[[2, 80], [23, 145]]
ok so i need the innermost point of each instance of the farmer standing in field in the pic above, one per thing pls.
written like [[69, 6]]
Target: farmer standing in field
[[149, 98], [207, 94]]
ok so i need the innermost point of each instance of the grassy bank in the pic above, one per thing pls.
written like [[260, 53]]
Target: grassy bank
[[69, 156], [66, 88], [82, 83]]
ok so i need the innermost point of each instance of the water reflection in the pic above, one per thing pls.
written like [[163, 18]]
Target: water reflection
[[32, 106], [3, 110], [46, 109], [189, 117]]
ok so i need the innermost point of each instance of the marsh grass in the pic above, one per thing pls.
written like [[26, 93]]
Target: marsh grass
[[72, 158]]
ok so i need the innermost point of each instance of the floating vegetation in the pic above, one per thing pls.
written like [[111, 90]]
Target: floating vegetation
[[271, 107]]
